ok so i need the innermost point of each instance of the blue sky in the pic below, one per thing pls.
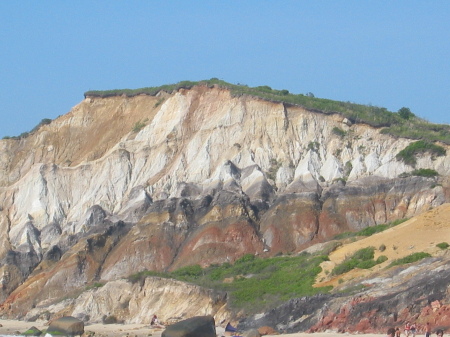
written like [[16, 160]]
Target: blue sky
[[385, 53]]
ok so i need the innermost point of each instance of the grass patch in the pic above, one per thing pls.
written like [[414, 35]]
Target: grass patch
[[254, 283], [443, 245], [409, 259]]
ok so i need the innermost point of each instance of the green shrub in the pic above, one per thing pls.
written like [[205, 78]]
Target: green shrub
[[193, 271], [33, 331], [95, 285], [344, 235], [410, 259], [44, 121], [331, 247], [408, 154], [368, 231], [313, 146], [382, 247], [273, 169], [443, 245], [364, 254], [344, 267], [138, 126], [424, 173], [381, 259], [366, 264], [245, 258], [348, 167], [159, 102], [405, 113], [338, 132], [142, 275], [362, 258]]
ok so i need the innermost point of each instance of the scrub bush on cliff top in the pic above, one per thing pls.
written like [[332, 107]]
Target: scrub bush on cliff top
[[393, 123]]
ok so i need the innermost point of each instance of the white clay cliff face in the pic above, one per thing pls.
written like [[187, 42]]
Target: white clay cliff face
[[202, 167]]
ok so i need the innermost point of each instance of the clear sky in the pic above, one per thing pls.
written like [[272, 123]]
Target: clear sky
[[385, 53]]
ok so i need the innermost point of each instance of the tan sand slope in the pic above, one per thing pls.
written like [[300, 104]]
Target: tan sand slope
[[419, 234]]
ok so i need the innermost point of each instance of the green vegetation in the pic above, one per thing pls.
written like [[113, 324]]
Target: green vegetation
[[138, 126], [362, 259], [368, 231], [408, 154], [32, 332], [428, 173], [348, 167], [44, 121], [419, 129], [409, 259], [425, 173], [443, 245], [405, 113], [338, 132], [94, 285], [159, 102], [273, 169], [401, 124], [381, 259], [254, 282], [313, 146]]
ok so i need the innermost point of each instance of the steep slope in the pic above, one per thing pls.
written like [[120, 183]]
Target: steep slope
[[196, 176]]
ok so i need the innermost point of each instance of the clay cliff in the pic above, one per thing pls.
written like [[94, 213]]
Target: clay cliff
[[120, 185]]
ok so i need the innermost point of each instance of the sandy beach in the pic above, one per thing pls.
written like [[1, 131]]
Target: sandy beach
[[15, 327]]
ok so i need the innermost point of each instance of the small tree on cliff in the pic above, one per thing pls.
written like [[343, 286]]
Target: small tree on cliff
[[405, 113]]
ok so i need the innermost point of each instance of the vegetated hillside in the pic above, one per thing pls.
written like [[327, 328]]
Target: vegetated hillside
[[410, 284], [397, 124], [200, 183]]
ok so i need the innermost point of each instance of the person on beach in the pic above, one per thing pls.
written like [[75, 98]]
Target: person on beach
[[413, 329], [428, 329], [391, 332], [397, 332], [154, 320], [407, 329], [440, 332]]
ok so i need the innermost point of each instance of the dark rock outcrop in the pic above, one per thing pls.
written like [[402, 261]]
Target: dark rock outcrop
[[199, 326], [66, 326]]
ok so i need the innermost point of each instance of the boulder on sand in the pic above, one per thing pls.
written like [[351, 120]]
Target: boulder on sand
[[66, 326], [198, 326]]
